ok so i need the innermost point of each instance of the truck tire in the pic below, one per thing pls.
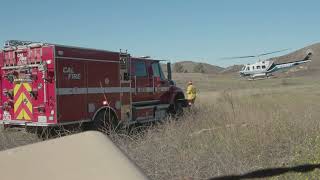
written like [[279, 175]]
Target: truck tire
[[105, 121], [176, 109]]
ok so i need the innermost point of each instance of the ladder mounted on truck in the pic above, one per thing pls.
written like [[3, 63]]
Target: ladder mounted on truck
[[125, 84], [124, 65]]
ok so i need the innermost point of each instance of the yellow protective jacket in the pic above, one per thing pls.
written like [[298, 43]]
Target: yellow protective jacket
[[191, 92]]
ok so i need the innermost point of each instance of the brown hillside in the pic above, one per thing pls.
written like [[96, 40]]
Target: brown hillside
[[312, 67], [189, 67], [232, 69]]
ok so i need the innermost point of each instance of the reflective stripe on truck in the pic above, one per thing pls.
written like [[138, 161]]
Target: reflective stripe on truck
[[22, 101]]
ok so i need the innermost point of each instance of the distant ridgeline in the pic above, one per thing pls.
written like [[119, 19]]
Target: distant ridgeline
[[194, 67], [198, 67]]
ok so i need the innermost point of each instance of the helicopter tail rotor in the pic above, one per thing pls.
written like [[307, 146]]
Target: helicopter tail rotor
[[309, 55]]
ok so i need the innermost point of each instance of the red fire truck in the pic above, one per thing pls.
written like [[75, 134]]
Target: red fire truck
[[51, 85]]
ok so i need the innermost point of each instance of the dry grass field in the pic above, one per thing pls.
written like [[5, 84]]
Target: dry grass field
[[237, 126]]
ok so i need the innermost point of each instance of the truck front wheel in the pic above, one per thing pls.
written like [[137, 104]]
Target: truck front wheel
[[176, 109]]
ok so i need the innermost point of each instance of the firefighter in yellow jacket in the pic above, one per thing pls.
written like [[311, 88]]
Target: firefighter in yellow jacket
[[191, 93]]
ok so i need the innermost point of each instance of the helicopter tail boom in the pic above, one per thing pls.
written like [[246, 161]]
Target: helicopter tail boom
[[281, 66]]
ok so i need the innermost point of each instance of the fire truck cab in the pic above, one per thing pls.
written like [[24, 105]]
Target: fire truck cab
[[52, 85]]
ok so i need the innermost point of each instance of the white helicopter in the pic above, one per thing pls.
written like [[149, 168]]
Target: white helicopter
[[265, 68]]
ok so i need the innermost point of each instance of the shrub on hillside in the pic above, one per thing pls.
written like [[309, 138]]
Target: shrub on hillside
[[199, 68]]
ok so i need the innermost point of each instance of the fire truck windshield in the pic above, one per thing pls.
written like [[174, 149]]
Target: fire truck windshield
[[157, 71]]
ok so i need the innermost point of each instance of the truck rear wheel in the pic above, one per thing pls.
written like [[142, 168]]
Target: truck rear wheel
[[105, 121]]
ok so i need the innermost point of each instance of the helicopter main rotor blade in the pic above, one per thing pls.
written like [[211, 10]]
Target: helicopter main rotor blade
[[253, 56], [264, 54], [237, 57]]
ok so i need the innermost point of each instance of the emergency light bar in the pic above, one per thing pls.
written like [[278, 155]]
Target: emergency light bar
[[11, 43]]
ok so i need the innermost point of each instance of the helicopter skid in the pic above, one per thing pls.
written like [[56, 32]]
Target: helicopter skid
[[261, 78]]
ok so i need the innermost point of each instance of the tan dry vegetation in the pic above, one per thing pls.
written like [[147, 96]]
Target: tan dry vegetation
[[237, 126], [233, 132], [11, 138]]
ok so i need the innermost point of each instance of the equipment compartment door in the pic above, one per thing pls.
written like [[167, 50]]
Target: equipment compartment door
[[72, 90]]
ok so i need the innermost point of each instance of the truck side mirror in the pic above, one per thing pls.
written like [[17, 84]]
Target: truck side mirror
[[172, 83], [169, 71]]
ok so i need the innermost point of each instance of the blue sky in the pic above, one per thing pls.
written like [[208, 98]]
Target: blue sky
[[203, 30]]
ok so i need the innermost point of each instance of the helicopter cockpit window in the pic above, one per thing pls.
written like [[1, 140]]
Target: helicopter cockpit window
[[248, 68], [263, 67], [258, 67], [252, 67]]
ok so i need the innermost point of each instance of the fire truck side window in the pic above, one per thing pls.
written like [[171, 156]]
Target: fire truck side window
[[157, 72], [140, 69]]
